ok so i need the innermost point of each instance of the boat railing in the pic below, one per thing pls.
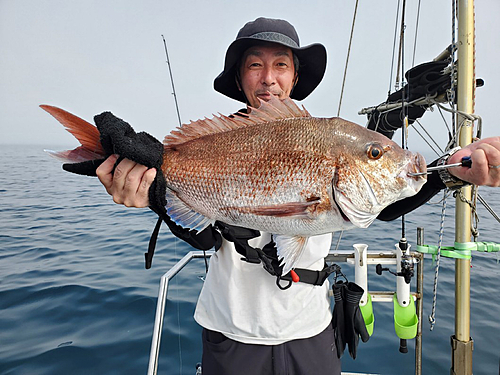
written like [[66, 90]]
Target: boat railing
[[372, 257]]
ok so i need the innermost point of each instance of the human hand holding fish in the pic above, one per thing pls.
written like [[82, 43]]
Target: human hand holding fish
[[485, 157], [128, 183]]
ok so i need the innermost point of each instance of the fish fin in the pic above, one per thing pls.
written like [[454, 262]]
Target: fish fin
[[273, 110], [290, 249], [86, 133], [184, 215], [276, 109], [78, 155], [296, 209]]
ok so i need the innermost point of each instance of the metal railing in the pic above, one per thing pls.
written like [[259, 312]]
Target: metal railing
[[381, 257]]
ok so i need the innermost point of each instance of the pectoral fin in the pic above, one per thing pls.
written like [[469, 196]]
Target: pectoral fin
[[297, 209], [290, 249], [184, 215]]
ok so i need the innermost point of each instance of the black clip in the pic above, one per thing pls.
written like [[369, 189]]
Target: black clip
[[278, 279]]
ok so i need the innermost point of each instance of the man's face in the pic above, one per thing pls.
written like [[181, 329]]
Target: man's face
[[267, 70]]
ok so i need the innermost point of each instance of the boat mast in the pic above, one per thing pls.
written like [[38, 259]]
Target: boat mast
[[461, 342]]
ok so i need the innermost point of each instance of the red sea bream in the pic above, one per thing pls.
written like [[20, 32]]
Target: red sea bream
[[277, 170]]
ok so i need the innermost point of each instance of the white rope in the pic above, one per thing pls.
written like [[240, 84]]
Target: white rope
[[432, 317], [466, 116]]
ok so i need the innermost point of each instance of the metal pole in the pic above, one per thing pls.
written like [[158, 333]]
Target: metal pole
[[461, 342], [420, 303], [160, 306]]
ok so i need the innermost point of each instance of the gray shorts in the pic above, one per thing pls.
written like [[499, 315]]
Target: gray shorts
[[315, 355]]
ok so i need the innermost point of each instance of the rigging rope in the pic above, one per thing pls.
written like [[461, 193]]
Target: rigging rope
[[347, 57], [401, 47], [432, 317], [430, 137], [451, 91], [416, 33], [394, 47]]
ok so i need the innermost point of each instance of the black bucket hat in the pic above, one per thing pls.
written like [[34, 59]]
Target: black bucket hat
[[312, 58]]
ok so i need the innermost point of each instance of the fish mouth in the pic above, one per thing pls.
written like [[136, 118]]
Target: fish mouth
[[417, 169], [415, 172]]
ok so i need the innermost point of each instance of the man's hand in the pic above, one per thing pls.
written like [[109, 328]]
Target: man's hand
[[485, 156], [130, 182]]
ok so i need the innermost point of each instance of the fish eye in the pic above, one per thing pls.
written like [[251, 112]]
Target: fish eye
[[375, 151]]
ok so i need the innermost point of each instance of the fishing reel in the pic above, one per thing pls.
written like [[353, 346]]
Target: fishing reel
[[407, 263]]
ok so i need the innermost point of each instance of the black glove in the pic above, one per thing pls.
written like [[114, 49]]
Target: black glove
[[354, 322], [338, 317]]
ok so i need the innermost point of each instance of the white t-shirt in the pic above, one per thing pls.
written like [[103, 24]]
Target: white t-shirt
[[242, 301]]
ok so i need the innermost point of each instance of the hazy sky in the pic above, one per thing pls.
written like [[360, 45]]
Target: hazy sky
[[93, 56]]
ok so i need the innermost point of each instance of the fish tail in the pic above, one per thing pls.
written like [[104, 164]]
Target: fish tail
[[87, 134]]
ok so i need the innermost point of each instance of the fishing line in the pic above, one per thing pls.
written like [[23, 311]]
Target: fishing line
[[338, 240]]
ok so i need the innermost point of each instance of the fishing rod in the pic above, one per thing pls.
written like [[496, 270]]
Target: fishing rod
[[172, 81], [177, 108]]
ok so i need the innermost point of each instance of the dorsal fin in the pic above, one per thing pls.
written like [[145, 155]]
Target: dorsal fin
[[272, 110]]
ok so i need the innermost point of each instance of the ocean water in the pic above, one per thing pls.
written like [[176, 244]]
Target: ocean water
[[75, 297]]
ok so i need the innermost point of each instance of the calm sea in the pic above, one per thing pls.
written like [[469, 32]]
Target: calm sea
[[75, 297]]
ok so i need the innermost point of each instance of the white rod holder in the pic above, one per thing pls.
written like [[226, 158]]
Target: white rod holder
[[361, 270], [402, 288]]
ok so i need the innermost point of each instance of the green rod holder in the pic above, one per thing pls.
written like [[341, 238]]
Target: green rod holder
[[405, 319]]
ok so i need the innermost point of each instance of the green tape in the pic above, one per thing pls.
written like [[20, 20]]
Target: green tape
[[461, 250]]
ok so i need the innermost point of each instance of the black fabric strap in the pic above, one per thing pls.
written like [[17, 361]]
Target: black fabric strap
[[312, 277], [152, 244]]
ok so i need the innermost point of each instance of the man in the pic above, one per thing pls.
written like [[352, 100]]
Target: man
[[250, 325]]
